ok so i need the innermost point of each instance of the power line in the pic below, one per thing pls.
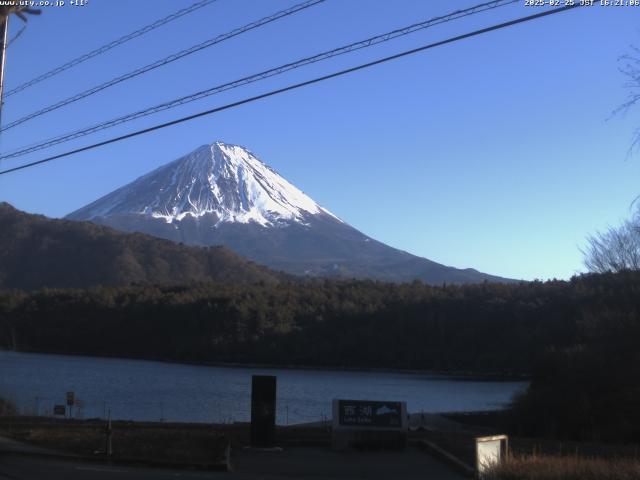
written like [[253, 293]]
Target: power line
[[16, 36], [296, 86], [109, 46], [258, 76], [8, 9], [166, 60]]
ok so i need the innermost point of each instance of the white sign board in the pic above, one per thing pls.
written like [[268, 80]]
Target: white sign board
[[490, 451]]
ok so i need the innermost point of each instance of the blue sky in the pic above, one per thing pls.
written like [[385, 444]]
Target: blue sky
[[496, 152]]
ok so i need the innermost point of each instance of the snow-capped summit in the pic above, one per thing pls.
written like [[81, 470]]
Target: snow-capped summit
[[222, 194], [224, 180]]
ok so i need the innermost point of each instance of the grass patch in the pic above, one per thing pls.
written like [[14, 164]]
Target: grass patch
[[572, 467], [199, 445]]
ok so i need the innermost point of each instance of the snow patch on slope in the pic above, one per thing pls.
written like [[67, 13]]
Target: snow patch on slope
[[221, 179]]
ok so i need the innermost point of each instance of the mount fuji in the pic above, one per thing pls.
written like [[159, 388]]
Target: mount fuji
[[222, 194]]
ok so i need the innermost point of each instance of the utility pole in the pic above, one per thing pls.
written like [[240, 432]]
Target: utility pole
[[4, 35]]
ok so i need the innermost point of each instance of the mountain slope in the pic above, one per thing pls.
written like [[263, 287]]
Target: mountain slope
[[222, 194], [36, 252]]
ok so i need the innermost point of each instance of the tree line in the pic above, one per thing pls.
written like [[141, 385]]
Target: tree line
[[337, 323]]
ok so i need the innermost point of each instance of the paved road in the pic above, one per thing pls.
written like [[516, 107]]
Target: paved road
[[14, 467], [324, 464], [292, 463]]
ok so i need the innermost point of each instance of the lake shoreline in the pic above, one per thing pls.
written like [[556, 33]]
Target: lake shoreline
[[450, 375], [144, 390]]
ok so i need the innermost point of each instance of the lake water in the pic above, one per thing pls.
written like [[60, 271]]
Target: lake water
[[145, 390]]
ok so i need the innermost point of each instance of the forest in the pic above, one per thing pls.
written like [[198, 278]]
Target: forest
[[577, 340], [37, 252]]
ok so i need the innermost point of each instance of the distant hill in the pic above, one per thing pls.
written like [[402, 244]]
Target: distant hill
[[36, 252]]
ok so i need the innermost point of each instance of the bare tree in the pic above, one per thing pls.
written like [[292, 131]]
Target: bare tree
[[630, 68], [616, 249]]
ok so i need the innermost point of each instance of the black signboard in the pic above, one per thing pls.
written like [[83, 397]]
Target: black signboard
[[365, 413], [59, 410], [263, 410]]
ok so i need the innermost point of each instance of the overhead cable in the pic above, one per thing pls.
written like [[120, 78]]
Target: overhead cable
[[295, 86], [164, 61], [257, 77], [105, 48]]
